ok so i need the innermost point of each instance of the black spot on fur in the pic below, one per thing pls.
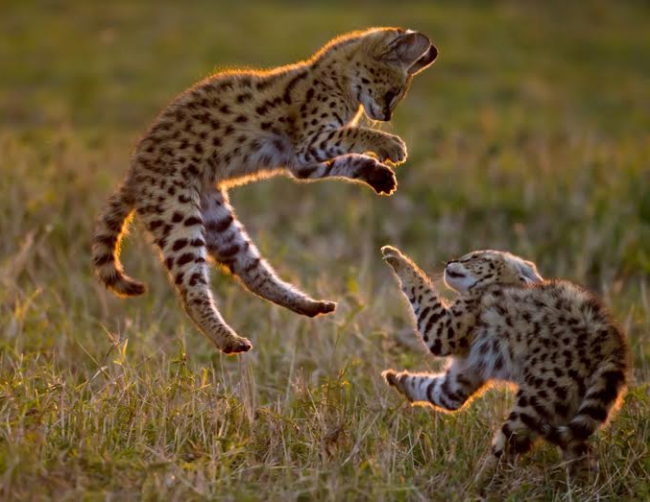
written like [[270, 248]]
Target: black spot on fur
[[185, 258], [193, 220], [179, 244]]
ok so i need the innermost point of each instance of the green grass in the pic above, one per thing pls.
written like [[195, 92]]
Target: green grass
[[529, 134]]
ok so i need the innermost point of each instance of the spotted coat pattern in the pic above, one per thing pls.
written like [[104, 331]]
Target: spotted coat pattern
[[552, 339], [238, 126]]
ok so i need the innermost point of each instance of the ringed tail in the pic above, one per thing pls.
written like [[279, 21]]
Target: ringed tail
[[110, 228], [604, 390]]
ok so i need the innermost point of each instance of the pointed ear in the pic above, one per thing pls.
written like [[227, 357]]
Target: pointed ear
[[406, 50], [528, 272], [425, 61]]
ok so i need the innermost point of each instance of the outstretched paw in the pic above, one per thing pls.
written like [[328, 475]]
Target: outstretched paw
[[394, 258], [380, 177], [236, 345], [396, 380], [315, 308], [392, 149], [391, 377]]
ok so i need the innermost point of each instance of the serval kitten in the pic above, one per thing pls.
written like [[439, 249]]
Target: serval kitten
[[552, 339], [239, 126]]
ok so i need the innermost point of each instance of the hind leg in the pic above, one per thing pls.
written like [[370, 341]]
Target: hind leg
[[576, 456], [178, 231], [515, 438], [229, 244]]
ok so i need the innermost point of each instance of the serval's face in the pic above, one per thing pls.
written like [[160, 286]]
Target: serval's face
[[482, 268], [384, 67]]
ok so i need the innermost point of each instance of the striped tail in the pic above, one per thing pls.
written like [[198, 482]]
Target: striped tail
[[606, 386], [111, 226]]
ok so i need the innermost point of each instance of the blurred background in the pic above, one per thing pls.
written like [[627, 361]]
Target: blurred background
[[531, 133]]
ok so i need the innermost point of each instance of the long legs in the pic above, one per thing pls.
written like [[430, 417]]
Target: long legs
[[229, 244], [178, 230]]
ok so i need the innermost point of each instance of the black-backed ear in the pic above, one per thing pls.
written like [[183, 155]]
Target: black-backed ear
[[424, 62], [528, 272], [407, 49]]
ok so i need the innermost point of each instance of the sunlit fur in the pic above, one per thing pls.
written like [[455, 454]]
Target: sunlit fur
[[553, 340], [418, 400], [238, 126]]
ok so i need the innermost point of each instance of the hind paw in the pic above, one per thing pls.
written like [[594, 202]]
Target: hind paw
[[315, 308], [236, 345]]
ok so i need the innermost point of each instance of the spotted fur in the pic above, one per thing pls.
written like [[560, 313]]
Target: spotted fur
[[234, 127], [552, 339]]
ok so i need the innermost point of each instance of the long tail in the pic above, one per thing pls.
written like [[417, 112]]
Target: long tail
[[605, 388], [111, 226]]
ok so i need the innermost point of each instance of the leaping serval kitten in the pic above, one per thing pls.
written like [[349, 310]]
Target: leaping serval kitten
[[552, 339], [234, 127]]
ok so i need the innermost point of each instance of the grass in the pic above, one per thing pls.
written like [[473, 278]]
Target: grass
[[529, 134]]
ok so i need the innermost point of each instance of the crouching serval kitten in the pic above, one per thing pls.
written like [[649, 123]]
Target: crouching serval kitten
[[552, 339], [237, 126]]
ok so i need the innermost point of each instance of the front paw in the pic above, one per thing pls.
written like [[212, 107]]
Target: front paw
[[390, 376], [394, 258], [392, 149], [396, 380], [381, 178]]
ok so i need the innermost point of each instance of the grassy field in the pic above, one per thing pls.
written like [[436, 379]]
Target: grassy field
[[531, 133]]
